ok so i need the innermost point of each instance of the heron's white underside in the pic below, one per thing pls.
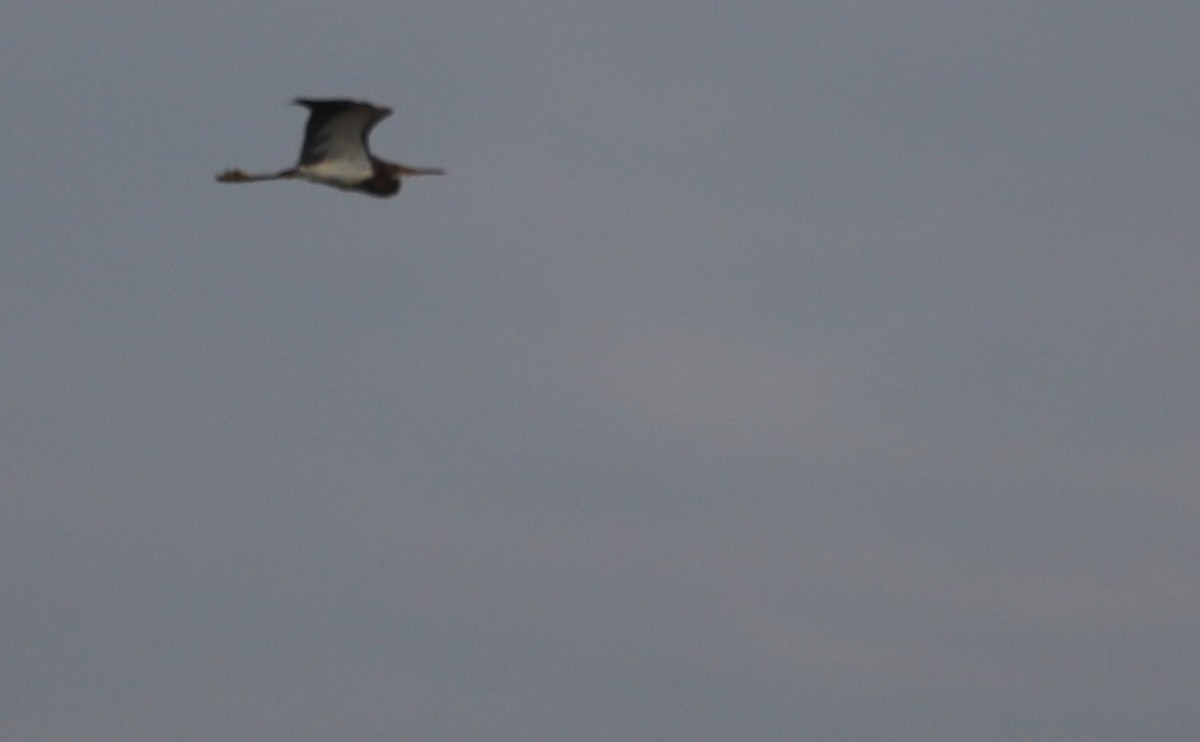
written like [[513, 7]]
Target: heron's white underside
[[349, 170]]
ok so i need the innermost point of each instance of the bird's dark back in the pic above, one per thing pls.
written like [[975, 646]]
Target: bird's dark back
[[339, 117]]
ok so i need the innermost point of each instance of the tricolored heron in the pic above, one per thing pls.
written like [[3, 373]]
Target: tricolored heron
[[335, 151]]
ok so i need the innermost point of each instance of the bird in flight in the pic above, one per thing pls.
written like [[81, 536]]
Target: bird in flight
[[335, 151]]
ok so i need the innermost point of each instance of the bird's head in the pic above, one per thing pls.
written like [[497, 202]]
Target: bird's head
[[233, 176]]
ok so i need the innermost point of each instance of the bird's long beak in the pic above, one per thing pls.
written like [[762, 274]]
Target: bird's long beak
[[406, 171]]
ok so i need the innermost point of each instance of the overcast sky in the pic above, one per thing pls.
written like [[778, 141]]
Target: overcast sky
[[760, 371]]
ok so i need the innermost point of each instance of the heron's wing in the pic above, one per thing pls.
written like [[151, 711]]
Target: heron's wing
[[338, 130]]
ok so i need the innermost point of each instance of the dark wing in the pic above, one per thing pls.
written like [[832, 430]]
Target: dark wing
[[338, 129]]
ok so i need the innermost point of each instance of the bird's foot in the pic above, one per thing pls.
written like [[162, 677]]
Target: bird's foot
[[233, 176]]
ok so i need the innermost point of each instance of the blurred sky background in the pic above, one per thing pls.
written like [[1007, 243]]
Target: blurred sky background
[[762, 371]]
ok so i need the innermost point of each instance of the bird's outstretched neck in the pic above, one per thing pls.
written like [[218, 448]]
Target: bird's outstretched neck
[[241, 176]]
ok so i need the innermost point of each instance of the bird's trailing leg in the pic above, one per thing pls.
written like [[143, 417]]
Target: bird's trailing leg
[[406, 171]]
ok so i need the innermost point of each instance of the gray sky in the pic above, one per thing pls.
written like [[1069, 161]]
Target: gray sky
[[768, 371]]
